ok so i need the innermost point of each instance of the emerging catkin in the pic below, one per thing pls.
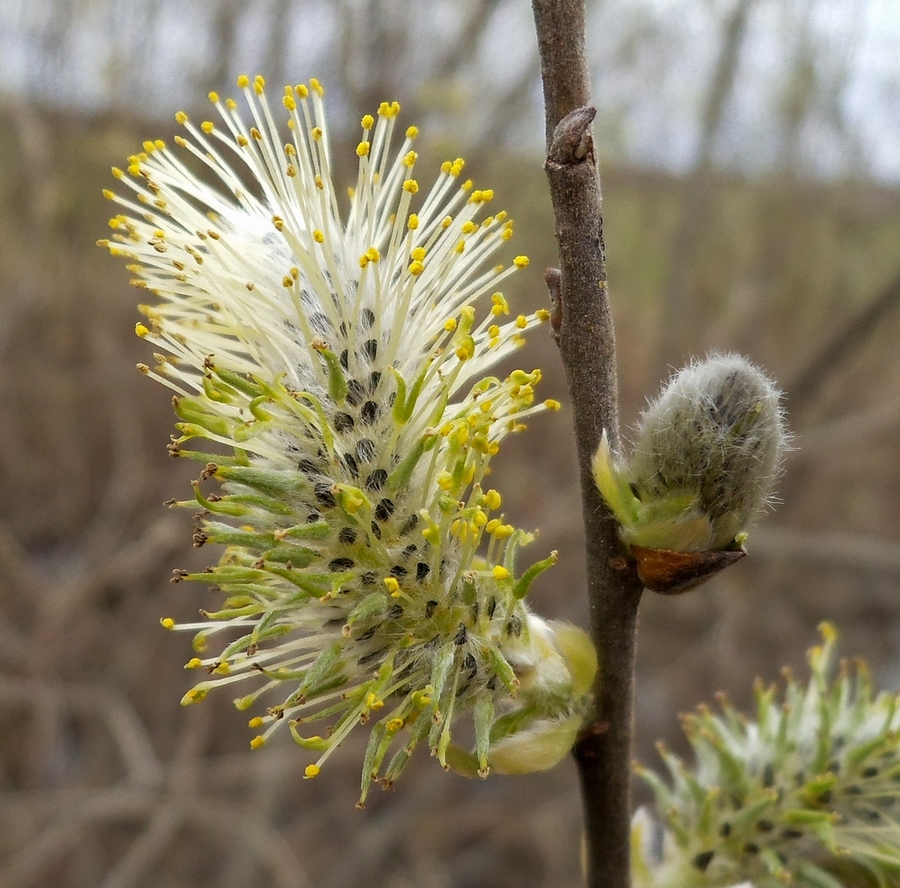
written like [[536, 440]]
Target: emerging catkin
[[706, 455]]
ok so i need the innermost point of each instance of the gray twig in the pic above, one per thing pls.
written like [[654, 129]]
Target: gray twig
[[584, 332]]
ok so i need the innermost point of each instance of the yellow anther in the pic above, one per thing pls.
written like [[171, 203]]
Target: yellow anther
[[213, 97], [141, 331], [259, 84], [316, 133], [542, 315], [479, 519], [167, 623], [521, 261], [446, 222], [416, 268], [493, 500], [319, 183], [412, 132], [243, 81], [460, 247], [362, 149], [367, 122], [450, 324], [467, 185], [493, 331], [257, 741], [410, 159], [181, 118], [445, 481], [242, 140], [316, 87], [521, 322], [301, 90], [418, 254], [194, 695], [290, 103], [506, 234], [231, 104], [394, 724], [207, 126], [373, 702], [311, 771], [469, 227], [255, 722], [193, 663], [391, 584], [552, 404], [411, 186], [318, 236], [499, 572]]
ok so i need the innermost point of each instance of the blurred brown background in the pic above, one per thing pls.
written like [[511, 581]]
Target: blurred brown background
[[751, 158]]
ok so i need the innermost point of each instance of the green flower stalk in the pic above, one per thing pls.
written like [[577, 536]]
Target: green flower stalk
[[806, 795], [336, 364], [706, 455]]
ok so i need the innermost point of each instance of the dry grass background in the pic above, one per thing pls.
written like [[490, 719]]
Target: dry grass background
[[105, 782]]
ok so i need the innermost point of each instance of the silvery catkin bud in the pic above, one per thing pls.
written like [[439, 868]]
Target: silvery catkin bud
[[706, 455]]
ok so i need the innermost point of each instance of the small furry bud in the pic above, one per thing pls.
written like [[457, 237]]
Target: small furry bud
[[707, 453]]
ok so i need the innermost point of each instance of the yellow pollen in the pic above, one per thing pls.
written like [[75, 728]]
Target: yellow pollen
[[207, 126], [391, 584], [492, 499], [521, 322], [411, 186], [469, 227], [243, 81], [412, 223], [542, 315], [214, 97], [499, 572], [450, 324], [257, 741], [311, 771], [367, 122], [412, 132], [416, 268], [167, 623], [521, 261], [460, 247], [142, 331], [290, 103], [493, 331], [362, 149], [301, 90], [255, 722], [318, 236], [259, 84], [181, 118]]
